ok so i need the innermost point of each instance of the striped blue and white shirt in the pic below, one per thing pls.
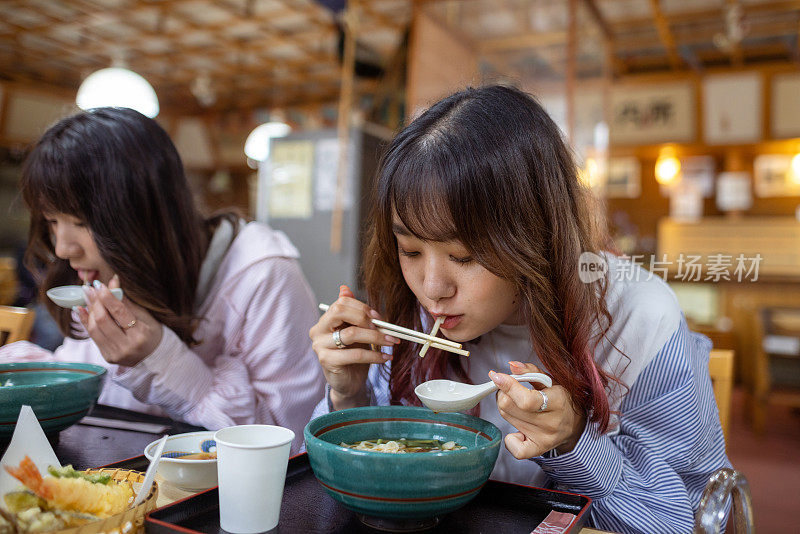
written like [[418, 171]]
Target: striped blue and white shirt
[[648, 473]]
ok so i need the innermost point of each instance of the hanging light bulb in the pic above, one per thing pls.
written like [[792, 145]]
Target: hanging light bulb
[[668, 167], [257, 145], [118, 87]]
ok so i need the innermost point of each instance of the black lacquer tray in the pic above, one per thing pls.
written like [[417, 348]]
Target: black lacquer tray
[[307, 508]]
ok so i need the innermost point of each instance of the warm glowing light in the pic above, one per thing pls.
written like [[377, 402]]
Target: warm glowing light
[[668, 168], [257, 145], [794, 174], [590, 174], [118, 87]]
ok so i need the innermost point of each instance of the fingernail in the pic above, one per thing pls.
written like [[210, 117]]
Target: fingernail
[[374, 314], [97, 284], [496, 378], [515, 362], [391, 339], [88, 292], [115, 278], [387, 357], [76, 309]]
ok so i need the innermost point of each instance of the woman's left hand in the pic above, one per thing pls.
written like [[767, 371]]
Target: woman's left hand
[[558, 427], [124, 332]]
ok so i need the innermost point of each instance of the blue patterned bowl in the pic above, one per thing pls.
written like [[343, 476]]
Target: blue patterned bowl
[[411, 486], [60, 393]]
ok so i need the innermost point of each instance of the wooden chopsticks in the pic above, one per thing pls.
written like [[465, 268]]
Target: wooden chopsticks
[[414, 336]]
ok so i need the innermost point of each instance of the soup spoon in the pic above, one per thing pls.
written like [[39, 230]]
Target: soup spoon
[[70, 296], [451, 396]]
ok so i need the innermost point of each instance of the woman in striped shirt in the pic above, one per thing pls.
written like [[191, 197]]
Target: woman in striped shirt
[[480, 218], [212, 329]]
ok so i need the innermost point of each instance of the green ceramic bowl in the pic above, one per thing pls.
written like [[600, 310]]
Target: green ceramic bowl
[[60, 393], [401, 486]]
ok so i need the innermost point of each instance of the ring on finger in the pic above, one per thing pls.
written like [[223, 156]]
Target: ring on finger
[[337, 339], [129, 325], [543, 407]]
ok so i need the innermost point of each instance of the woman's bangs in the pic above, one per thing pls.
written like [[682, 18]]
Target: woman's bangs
[[420, 200], [49, 186]]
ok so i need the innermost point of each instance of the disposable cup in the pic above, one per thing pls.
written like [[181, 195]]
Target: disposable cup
[[251, 470]]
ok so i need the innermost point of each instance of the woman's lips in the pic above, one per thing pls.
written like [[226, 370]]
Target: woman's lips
[[88, 275], [450, 322]]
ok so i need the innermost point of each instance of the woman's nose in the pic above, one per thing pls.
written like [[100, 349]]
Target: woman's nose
[[65, 247], [438, 284]]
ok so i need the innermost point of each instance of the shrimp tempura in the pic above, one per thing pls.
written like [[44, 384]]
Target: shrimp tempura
[[74, 494]]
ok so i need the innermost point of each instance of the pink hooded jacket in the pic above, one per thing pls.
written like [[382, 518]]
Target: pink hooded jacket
[[254, 363]]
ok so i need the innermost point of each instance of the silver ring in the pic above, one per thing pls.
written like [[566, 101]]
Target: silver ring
[[337, 339], [543, 407], [129, 325]]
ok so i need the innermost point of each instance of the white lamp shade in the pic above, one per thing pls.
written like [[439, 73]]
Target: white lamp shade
[[117, 87], [257, 145]]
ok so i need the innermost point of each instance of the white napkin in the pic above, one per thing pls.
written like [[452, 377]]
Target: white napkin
[[28, 439]]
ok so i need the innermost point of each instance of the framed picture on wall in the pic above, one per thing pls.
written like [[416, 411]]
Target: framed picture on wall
[[652, 113], [772, 176], [623, 179], [732, 108], [785, 107]]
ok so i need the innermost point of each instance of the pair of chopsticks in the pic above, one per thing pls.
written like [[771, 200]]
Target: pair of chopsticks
[[426, 340]]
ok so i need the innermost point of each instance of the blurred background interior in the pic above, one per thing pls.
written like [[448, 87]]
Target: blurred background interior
[[684, 118]]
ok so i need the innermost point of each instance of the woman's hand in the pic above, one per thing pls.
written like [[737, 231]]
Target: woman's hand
[[346, 367], [124, 332], [558, 427]]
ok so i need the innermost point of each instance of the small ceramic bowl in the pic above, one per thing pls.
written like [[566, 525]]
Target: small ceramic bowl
[[60, 393], [416, 487], [189, 475]]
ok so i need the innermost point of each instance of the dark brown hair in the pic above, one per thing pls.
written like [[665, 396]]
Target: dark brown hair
[[489, 168], [118, 172]]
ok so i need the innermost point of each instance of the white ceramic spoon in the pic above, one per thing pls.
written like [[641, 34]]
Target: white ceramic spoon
[[150, 475], [450, 396], [70, 296]]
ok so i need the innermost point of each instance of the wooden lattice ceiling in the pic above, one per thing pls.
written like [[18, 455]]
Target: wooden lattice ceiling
[[262, 53]]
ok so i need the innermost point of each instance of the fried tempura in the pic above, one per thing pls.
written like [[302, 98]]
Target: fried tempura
[[78, 495]]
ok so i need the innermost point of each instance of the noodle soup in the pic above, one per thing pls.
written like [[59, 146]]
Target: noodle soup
[[403, 445]]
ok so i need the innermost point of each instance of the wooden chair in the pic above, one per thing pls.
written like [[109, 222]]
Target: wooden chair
[[15, 324], [776, 369], [720, 367]]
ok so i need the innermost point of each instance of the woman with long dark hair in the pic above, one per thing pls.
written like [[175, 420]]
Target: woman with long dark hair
[[480, 218], [212, 328]]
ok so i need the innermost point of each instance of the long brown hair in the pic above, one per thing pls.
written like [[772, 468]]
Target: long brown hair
[[489, 168], [118, 172]]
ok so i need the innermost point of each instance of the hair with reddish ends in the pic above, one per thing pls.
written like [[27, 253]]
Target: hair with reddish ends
[[119, 173], [489, 168]]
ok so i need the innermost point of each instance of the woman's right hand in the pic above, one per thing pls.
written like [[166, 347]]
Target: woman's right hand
[[346, 368]]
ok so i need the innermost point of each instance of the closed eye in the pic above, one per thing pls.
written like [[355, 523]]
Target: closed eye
[[408, 253], [463, 260]]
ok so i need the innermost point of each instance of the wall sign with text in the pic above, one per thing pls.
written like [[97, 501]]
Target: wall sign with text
[[653, 114]]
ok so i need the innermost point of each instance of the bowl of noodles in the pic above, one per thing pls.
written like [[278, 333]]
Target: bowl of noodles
[[401, 467]]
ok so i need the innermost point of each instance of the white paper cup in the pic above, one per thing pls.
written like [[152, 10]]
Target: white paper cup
[[251, 468]]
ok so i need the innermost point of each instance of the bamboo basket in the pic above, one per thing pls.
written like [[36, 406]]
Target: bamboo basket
[[131, 520]]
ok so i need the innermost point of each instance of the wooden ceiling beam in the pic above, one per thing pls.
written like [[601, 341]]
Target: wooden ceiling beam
[[783, 7], [665, 34], [521, 42]]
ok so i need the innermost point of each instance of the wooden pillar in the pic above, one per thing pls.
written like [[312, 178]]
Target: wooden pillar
[[350, 22], [572, 51]]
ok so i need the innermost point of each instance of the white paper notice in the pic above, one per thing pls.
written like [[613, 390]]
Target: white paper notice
[[28, 440], [292, 164], [326, 166]]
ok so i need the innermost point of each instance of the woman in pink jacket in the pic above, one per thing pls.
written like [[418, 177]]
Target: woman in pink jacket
[[213, 326]]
